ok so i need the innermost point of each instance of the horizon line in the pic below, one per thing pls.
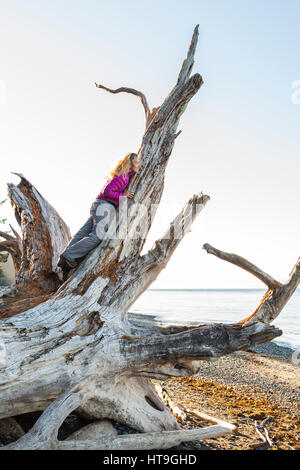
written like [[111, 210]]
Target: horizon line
[[209, 288], [212, 288]]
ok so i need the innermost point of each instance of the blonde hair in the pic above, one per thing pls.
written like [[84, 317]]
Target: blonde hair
[[122, 167]]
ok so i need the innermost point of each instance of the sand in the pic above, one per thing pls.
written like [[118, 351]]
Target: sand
[[244, 388]]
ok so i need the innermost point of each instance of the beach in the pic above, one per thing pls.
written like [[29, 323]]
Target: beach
[[244, 388]]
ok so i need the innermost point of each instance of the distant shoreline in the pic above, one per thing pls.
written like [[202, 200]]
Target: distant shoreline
[[213, 289]]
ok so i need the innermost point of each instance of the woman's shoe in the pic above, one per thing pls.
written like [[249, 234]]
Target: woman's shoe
[[61, 262], [65, 261]]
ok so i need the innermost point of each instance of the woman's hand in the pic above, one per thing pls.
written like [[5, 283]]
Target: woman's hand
[[129, 193]]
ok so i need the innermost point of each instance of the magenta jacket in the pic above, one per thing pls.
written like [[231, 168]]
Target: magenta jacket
[[115, 188]]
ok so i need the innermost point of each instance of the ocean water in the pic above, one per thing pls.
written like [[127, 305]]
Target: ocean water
[[218, 305]]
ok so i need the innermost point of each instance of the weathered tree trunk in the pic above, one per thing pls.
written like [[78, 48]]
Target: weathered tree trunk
[[69, 345]]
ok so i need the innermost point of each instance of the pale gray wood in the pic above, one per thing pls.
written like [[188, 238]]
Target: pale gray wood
[[43, 435]]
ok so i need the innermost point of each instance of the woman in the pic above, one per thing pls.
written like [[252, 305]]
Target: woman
[[89, 236]]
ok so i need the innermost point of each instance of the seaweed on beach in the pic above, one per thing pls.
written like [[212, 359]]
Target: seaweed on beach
[[241, 406]]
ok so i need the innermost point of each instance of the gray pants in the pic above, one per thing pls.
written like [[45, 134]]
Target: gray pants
[[92, 232]]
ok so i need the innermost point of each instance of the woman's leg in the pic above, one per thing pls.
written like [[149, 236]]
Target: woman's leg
[[101, 217], [82, 232]]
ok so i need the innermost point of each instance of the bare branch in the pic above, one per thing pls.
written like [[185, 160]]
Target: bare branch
[[133, 92], [277, 294], [188, 63], [151, 353], [164, 247], [294, 275], [274, 301], [244, 264], [15, 232], [7, 236], [148, 266], [147, 441]]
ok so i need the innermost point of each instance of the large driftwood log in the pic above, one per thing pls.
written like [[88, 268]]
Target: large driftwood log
[[70, 345]]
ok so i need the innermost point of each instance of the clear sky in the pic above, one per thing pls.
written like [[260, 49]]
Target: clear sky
[[240, 134]]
